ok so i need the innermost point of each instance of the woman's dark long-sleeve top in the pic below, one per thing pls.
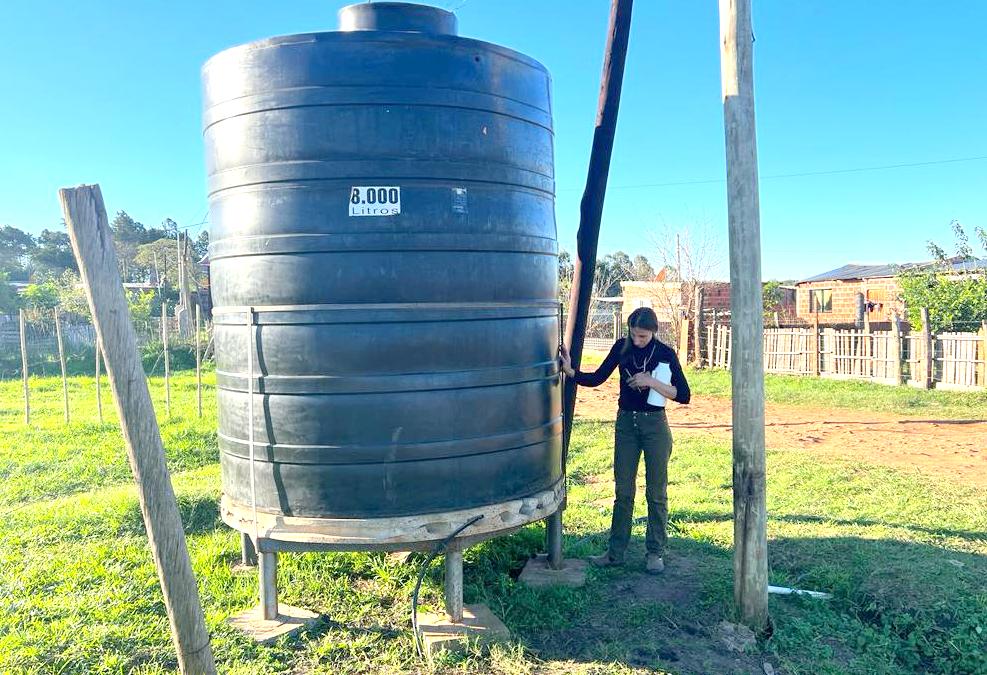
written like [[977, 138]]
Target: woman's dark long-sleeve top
[[637, 360]]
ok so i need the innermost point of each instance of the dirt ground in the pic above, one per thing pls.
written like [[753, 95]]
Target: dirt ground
[[953, 448]]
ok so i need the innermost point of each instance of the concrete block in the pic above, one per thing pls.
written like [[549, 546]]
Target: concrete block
[[479, 623], [266, 631], [538, 574]]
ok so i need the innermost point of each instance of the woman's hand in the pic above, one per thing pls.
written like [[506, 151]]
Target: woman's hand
[[642, 381], [565, 361]]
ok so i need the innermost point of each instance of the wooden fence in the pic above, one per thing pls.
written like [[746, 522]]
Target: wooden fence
[[945, 361]]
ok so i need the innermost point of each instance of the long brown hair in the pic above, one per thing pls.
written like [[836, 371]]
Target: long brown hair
[[643, 318]]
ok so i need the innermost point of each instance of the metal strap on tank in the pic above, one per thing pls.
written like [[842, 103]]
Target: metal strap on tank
[[250, 417]]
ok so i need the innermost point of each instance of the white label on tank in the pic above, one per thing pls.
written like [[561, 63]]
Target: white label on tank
[[459, 204], [375, 200]]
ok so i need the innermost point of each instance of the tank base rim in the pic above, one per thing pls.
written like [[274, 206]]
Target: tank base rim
[[406, 533]]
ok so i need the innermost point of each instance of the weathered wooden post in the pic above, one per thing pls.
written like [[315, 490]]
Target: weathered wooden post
[[894, 350], [588, 233], [698, 328], [27, 389], [711, 341], [617, 325], [982, 356], [198, 358], [684, 341], [926, 369], [815, 344], [750, 559], [61, 361], [167, 358], [92, 243]]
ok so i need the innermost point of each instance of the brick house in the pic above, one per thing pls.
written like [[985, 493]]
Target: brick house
[[666, 297], [845, 295]]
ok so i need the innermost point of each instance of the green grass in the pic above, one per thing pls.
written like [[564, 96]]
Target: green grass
[[904, 556]]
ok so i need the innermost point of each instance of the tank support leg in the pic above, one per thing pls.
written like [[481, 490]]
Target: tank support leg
[[454, 584], [553, 536], [268, 585], [248, 554]]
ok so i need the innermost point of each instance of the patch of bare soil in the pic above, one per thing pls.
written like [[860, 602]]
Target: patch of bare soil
[[649, 622], [951, 448]]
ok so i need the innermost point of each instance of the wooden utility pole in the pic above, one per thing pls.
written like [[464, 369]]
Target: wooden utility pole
[[61, 360], [588, 233], [27, 389], [92, 243], [750, 558]]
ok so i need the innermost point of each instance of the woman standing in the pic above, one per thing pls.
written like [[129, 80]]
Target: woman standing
[[650, 374]]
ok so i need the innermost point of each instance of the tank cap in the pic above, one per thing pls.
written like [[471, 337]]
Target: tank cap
[[397, 16]]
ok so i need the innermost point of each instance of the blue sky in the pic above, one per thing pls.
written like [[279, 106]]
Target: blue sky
[[108, 92]]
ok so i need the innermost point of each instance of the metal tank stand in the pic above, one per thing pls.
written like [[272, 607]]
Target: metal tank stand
[[551, 569], [460, 623], [269, 620]]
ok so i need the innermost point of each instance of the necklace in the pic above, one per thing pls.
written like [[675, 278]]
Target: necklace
[[641, 367]]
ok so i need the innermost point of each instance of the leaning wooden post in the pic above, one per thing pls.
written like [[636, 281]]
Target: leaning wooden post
[[167, 359], [92, 243], [99, 394], [588, 232], [750, 558], [61, 360], [27, 389], [926, 369], [198, 359]]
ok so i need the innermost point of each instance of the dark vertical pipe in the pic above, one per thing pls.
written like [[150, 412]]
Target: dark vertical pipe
[[591, 207]]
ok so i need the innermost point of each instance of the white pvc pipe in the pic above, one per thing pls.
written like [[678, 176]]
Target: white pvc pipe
[[784, 590]]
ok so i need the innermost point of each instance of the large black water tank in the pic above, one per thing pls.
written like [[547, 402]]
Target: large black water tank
[[405, 363]]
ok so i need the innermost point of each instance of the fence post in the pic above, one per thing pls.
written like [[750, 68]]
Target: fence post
[[815, 345], [698, 328], [99, 397], [617, 324], [61, 360], [167, 359], [710, 342], [684, 341], [198, 358], [926, 368], [27, 391], [894, 349], [982, 357]]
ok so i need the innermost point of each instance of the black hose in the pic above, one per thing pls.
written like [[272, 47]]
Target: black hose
[[436, 551]]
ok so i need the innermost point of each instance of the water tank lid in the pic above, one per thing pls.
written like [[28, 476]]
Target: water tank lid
[[397, 16]]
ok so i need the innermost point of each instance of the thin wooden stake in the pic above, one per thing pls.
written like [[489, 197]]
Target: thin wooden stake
[[167, 359], [750, 559], [92, 243], [198, 359], [61, 360], [99, 394], [24, 375]]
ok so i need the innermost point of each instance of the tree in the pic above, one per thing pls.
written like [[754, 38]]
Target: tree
[[565, 277], [771, 294], [52, 254], [200, 246], [611, 269], [954, 293], [160, 257], [128, 236], [687, 257], [10, 301], [641, 269], [42, 296], [15, 248]]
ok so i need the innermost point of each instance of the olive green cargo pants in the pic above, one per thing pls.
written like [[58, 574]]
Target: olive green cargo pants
[[635, 432]]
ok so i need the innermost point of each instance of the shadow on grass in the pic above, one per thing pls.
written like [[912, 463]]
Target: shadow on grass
[[199, 513]]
